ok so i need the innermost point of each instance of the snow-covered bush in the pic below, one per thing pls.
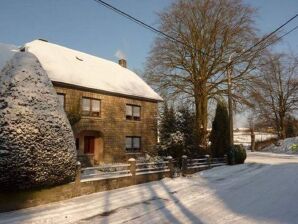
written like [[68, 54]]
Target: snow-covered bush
[[288, 146]]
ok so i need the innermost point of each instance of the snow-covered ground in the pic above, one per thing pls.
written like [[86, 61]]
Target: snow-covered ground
[[288, 146], [244, 137], [264, 190]]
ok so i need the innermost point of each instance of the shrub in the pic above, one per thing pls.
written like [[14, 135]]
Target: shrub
[[236, 155], [73, 118], [259, 145], [294, 148]]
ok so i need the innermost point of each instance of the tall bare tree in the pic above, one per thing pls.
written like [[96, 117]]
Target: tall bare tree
[[213, 32], [276, 90]]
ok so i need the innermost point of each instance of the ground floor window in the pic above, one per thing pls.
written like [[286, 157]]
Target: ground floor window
[[133, 144]]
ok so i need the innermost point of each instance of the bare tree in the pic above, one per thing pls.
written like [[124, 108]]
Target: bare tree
[[213, 32], [275, 91]]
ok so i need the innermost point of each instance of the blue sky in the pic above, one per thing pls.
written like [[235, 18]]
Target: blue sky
[[89, 27]]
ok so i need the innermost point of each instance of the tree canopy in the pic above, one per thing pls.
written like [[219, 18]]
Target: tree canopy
[[208, 34]]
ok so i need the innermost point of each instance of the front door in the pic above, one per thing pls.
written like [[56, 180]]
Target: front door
[[89, 144]]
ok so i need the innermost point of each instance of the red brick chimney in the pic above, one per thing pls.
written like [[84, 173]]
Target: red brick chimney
[[122, 62]]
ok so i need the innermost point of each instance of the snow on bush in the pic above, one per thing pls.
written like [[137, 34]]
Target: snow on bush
[[288, 146]]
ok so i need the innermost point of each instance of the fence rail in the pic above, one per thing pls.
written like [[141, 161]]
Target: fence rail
[[133, 169], [190, 166]]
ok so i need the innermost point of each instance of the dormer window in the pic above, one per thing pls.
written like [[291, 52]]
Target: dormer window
[[133, 112], [91, 107]]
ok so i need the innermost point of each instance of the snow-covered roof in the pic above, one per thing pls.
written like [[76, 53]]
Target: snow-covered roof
[[73, 67]]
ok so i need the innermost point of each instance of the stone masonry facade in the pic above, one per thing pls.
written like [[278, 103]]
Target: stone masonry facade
[[111, 124]]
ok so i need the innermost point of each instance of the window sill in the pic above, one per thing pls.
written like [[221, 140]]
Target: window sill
[[92, 117], [133, 120], [133, 153]]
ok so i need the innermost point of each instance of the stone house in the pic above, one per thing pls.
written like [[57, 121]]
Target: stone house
[[113, 112]]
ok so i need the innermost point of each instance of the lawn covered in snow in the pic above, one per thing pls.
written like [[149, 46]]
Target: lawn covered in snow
[[264, 190]]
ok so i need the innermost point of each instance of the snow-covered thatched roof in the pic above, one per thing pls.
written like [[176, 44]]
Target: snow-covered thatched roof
[[73, 67]]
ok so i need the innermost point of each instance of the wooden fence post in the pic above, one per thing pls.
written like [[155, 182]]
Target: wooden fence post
[[208, 160], [171, 166], [226, 158], [184, 165], [78, 173], [78, 178], [253, 142], [133, 167]]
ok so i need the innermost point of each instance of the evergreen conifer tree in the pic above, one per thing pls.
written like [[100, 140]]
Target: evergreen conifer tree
[[168, 124], [291, 127], [219, 136], [186, 125]]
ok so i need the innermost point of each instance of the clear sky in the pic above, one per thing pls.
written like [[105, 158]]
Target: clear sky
[[89, 27]]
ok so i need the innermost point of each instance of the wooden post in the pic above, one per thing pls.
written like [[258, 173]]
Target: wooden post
[[253, 143], [78, 178], [226, 158], [133, 167], [208, 160], [171, 166], [184, 165]]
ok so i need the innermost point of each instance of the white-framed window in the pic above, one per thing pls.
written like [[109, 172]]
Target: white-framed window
[[133, 112], [91, 107], [132, 144], [61, 99]]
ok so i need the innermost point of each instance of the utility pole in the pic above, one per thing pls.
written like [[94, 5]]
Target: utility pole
[[229, 71], [230, 98], [230, 108]]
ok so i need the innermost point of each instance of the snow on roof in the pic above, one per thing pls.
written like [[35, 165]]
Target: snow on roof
[[69, 66]]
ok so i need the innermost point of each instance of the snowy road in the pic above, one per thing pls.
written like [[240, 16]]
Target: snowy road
[[264, 190]]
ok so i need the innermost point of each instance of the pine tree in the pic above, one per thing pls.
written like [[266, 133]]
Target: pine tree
[[186, 125], [219, 136], [291, 127], [168, 124]]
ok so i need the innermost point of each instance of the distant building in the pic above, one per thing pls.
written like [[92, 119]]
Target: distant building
[[112, 110]]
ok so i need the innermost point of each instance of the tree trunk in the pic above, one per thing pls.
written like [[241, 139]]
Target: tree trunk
[[201, 103], [282, 127]]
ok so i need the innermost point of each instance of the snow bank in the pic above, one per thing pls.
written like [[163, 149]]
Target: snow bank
[[74, 67], [288, 146]]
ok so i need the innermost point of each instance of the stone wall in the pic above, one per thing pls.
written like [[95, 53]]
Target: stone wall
[[112, 123], [29, 198]]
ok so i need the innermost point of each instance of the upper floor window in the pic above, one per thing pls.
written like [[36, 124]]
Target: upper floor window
[[91, 107], [133, 112], [61, 99], [133, 144]]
